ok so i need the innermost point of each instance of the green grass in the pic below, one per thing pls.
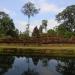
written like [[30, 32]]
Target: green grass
[[48, 50], [43, 46]]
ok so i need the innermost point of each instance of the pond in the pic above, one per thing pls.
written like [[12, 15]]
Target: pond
[[22, 65]]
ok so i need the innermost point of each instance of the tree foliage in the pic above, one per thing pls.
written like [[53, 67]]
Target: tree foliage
[[66, 67], [67, 18], [51, 32], [29, 9], [7, 26], [63, 32]]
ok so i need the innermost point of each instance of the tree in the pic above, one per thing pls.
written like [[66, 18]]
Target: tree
[[51, 32], [66, 67], [44, 24], [7, 27], [3, 14], [13, 33], [35, 32], [6, 60], [45, 62], [67, 18], [29, 9], [62, 31], [23, 35]]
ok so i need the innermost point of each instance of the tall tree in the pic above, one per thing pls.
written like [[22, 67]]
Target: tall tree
[[67, 18], [29, 9]]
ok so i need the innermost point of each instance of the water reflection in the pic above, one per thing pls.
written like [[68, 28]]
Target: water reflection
[[35, 60], [5, 63], [30, 72], [66, 66], [45, 61], [13, 65], [33, 71]]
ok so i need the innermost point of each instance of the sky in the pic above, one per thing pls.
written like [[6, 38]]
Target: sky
[[48, 10]]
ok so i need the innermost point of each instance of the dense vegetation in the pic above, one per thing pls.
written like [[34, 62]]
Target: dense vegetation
[[7, 27]]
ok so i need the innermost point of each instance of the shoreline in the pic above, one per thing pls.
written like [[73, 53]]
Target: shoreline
[[62, 50]]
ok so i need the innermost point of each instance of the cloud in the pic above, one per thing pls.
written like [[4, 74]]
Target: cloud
[[50, 8], [21, 25], [46, 7], [52, 23], [10, 12]]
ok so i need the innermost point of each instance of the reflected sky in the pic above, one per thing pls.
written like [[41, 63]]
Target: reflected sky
[[33, 66]]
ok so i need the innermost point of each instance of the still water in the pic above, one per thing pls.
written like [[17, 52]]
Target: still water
[[13, 65]]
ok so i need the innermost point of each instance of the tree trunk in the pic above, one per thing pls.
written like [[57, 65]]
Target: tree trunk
[[27, 29]]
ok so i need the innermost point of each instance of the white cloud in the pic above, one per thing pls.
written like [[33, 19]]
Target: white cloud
[[50, 8], [10, 12], [52, 23], [46, 7], [21, 25]]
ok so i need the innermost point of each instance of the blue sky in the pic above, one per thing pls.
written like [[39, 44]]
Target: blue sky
[[48, 10]]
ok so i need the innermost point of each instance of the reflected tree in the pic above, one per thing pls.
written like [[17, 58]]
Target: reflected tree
[[5, 63], [66, 67], [45, 62]]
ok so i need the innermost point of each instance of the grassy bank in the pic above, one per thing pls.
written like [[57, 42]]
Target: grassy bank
[[67, 50], [42, 46]]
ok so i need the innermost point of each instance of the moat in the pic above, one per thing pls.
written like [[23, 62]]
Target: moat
[[22, 65]]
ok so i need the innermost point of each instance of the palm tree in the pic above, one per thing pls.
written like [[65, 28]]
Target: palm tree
[[29, 9]]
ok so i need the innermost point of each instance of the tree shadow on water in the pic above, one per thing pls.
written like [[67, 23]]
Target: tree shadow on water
[[66, 67], [5, 63]]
